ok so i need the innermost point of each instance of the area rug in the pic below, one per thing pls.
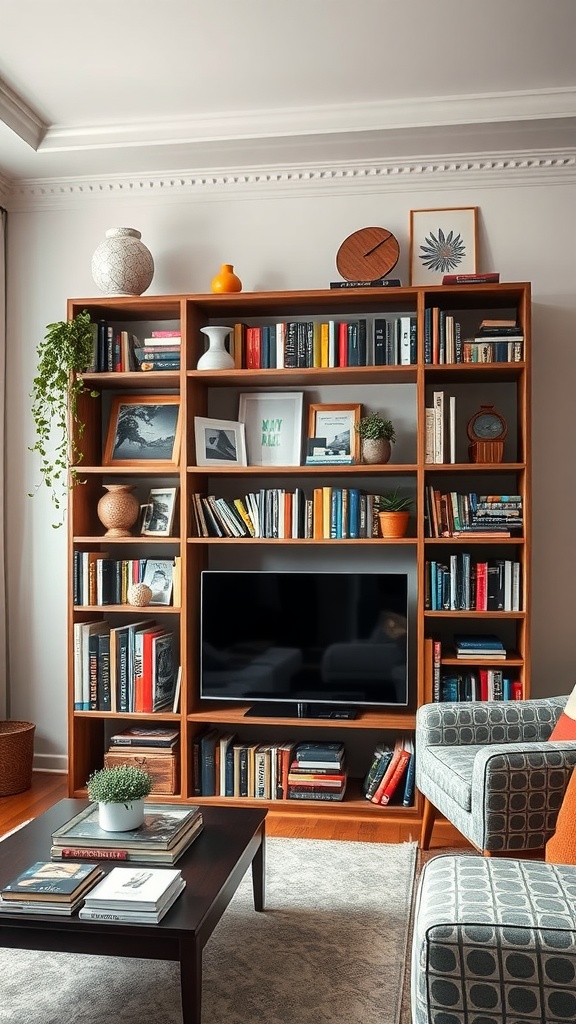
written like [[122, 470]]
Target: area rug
[[330, 948]]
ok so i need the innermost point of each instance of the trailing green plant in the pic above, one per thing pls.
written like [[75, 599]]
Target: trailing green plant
[[65, 353], [395, 502], [121, 784], [374, 427]]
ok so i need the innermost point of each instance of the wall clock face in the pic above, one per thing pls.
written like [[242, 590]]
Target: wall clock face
[[367, 254], [487, 425]]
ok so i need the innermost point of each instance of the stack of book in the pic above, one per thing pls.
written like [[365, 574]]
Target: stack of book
[[159, 352], [134, 895], [165, 835], [154, 749], [47, 888], [391, 773], [482, 645], [318, 772]]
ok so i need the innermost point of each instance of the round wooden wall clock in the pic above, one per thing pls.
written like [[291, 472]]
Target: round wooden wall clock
[[367, 254], [487, 431]]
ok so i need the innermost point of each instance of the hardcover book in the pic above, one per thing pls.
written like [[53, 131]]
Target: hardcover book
[[144, 889], [142, 736], [163, 826], [60, 883]]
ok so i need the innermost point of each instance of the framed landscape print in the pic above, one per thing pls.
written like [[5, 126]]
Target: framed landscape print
[[442, 242], [273, 422], [332, 434], [159, 511], [219, 442], [144, 429]]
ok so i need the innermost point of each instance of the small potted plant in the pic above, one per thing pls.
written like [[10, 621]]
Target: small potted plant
[[394, 513], [119, 793], [377, 436]]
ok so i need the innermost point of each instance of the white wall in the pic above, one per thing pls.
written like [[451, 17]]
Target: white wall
[[283, 241]]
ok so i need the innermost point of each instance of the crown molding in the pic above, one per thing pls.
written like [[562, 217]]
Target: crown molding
[[20, 117], [274, 182], [424, 112]]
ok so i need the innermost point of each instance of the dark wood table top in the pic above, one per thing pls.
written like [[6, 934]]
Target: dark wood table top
[[213, 867]]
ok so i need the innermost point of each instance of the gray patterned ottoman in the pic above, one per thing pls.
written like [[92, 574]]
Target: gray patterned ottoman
[[494, 942]]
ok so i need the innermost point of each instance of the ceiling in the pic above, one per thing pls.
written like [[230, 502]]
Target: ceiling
[[106, 87]]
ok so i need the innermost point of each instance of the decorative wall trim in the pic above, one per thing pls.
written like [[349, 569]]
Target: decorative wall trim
[[438, 173], [20, 117]]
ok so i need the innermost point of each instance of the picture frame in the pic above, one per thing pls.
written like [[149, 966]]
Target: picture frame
[[158, 575], [332, 435], [145, 429], [158, 517], [219, 442], [273, 422], [442, 241]]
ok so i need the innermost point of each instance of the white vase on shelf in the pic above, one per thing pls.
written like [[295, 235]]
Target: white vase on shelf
[[216, 356], [122, 265]]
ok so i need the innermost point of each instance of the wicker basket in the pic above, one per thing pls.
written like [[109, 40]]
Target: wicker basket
[[16, 752]]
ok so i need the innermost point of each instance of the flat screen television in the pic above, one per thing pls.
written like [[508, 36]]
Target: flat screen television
[[317, 644]]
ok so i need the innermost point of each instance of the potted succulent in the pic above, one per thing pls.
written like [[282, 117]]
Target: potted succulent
[[377, 436], [119, 793], [66, 352], [394, 513]]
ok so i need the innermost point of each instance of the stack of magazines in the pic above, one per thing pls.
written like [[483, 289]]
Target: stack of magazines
[[165, 835], [47, 888], [136, 895]]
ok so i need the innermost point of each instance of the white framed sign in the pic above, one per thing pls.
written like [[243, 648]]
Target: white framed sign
[[273, 427]]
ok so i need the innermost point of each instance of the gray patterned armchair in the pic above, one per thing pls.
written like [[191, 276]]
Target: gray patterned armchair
[[491, 770]]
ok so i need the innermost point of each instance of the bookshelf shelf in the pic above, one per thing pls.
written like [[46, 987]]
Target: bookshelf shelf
[[402, 391]]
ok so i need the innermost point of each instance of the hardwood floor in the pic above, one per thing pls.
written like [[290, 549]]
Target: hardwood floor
[[48, 788]]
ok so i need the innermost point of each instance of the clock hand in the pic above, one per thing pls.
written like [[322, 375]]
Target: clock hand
[[378, 244]]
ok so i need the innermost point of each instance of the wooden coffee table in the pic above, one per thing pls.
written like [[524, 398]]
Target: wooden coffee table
[[233, 839]]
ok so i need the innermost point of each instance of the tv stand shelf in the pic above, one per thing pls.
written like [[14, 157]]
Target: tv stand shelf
[[401, 392]]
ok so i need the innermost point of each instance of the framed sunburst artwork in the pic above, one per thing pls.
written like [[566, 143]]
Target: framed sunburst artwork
[[442, 242]]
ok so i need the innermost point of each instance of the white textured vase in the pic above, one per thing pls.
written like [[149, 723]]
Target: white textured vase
[[216, 356], [121, 817], [122, 265]]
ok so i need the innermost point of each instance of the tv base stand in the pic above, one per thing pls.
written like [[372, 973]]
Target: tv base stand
[[301, 709]]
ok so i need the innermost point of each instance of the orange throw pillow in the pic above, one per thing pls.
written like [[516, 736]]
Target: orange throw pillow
[[561, 848], [565, 728]]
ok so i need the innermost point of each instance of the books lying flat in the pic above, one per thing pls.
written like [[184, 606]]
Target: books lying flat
[[163, 827], [140, 736], [20, 907], [142, 855], [133, 916], [44, 881], [142, 889]]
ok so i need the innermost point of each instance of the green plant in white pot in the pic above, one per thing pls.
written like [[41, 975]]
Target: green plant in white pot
[[377, 436], [120, 792]]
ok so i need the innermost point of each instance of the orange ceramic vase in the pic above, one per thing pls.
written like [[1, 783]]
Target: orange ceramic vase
[[226, 280]]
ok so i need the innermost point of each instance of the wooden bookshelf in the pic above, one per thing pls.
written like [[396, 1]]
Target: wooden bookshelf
[[404, 392]]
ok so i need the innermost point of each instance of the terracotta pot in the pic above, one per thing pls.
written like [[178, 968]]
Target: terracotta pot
[[393, 524], [226, 280], [376, 450], [118, 510]]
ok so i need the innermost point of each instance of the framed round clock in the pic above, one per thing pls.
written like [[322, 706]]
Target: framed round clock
[[367, 254], [487, 430]]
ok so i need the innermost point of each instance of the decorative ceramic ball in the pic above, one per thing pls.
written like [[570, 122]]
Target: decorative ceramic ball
[[139, 594], [122, 265]]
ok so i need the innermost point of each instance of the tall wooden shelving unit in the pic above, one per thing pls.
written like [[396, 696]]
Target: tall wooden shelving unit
[[505, 384]]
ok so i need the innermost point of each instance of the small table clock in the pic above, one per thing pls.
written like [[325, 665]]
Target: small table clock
[[487, 431]]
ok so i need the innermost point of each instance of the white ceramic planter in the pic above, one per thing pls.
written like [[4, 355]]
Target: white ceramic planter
[[121, 817], [122, 265], [216, 356]]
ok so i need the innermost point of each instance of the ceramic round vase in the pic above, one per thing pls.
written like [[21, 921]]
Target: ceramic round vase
[[393, 524], [118, 509], [121, 817], [122, 265], [226, 280], [139, 594], [376, 451], [216, 356]]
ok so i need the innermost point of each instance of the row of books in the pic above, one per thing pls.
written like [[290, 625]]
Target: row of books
[[478, 684], [378, 341], [128, 668], [476, 679], [101, 580], [334, 513], [453, 513], [391, 774], [440, 437], [461, 584], [121, 351], [495, 341], [165, 835]]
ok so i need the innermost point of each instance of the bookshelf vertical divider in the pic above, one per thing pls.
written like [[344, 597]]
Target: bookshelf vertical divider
[[409, 390]]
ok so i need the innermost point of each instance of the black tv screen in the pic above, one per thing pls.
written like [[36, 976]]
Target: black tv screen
[[337, 638]]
